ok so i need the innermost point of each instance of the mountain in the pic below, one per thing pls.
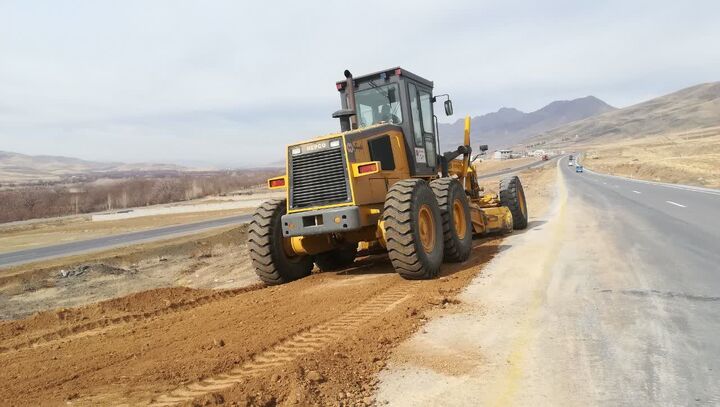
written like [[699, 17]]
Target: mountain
[[509, 126], [696, 107], [21, 167]]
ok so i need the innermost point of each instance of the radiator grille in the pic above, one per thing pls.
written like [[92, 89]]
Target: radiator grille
[[318, 178]]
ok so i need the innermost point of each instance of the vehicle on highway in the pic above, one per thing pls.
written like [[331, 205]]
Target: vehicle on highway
[[376, 185], [545, 157], [570, 163], [578, 168]]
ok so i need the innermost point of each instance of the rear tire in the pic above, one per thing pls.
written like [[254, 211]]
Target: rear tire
[[413, 229], [266, 245], [337, 258], [456, 222], [513, 196]]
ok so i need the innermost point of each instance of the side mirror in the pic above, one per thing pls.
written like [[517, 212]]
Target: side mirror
[[483, 147], [448, 108]]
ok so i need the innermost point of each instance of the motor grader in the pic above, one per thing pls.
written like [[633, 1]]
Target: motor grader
[[379, 183]]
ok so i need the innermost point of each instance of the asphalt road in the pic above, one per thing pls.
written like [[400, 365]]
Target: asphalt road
[[663, 292], [611, 298], [108, 242]]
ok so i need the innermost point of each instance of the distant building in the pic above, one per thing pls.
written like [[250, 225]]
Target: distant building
[[502, 154]]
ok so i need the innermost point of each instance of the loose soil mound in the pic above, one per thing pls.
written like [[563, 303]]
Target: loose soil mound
[[319, 340]]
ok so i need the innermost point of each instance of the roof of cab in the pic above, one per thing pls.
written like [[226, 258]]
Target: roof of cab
[[390, 72]]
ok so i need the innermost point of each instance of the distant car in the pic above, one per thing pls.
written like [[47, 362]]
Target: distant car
[[578, 168], [545, 157], [572, 158], [570, 163]]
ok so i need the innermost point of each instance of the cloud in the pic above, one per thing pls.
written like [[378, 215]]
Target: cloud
[[230, 83]]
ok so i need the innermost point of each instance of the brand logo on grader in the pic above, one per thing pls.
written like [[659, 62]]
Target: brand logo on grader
[[314, 147]]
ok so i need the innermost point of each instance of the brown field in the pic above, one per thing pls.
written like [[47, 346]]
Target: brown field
[[490, 165], [319, 341]]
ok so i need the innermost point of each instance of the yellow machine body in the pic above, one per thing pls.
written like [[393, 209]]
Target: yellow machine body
[[369, 189]]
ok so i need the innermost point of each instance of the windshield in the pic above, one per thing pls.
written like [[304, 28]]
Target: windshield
[[378, 104]]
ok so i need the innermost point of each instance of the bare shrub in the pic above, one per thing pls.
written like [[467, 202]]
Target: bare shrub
[[49, 200]]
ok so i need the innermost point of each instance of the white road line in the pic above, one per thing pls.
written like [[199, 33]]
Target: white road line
[[637, 192], [690, 188], [676, 204]]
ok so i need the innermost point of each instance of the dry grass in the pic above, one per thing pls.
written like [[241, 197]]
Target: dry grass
[[490, 165], [691, 158]]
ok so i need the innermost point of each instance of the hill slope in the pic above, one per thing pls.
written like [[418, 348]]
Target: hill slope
[[22, 167], [509, 126], [696, 107]]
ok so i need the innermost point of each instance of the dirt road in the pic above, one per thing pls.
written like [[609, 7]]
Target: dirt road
[[308, 341]]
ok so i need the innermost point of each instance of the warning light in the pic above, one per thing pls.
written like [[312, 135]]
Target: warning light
[[365, 168], [277, 183]]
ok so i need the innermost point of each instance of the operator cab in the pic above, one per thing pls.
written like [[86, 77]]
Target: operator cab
[[399, 98]]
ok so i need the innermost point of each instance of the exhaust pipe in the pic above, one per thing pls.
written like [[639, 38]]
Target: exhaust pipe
[[347, 116], [350, 92]]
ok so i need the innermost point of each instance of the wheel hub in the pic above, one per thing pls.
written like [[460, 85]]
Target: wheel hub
[[459, 219], [426, 226]]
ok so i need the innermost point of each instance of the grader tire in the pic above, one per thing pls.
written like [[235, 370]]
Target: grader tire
[[456, 222], [513, 196], [266, 246], [413, 229], [337, 258]]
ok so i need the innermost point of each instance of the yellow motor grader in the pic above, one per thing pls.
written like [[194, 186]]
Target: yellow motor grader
[[379, 183]]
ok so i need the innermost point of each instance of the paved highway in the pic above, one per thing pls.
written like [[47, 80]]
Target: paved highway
[[107, 242], [611, 298], [655, 323]]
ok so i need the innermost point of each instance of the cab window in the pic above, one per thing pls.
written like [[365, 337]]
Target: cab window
[[428, 128], [426, 107], [378, 104], [415, 112]]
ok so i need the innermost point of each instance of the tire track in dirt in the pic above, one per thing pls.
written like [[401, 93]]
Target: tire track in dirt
[[290, 349], [103, 325]]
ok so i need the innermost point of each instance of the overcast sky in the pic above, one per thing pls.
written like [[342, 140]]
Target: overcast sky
[[230, 83]]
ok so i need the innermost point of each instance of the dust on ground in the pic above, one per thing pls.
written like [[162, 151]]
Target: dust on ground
[[213, 260], [318, 341], [691, 158], [473, 355]]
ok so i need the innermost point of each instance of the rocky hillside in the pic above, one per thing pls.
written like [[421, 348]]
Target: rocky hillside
[[510, 126], [692, 108]]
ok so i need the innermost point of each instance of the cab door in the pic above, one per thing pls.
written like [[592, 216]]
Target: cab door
[[423, 131]]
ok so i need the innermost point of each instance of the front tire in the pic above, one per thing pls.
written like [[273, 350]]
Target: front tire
[[512, 195], [456, 222], [413, 229], [267, 247]]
